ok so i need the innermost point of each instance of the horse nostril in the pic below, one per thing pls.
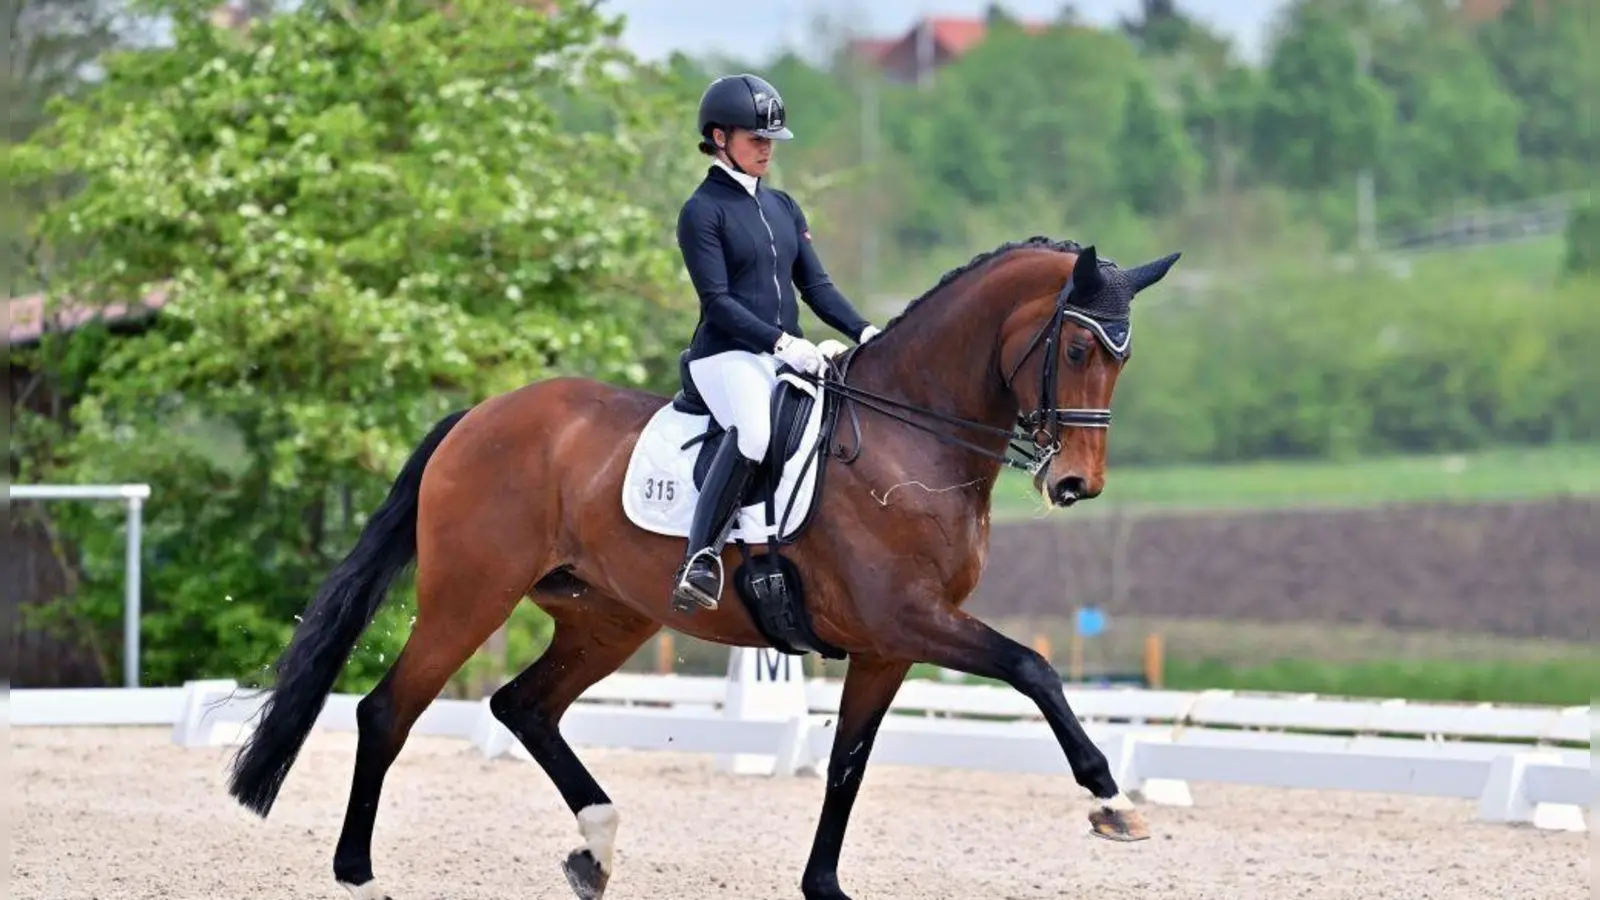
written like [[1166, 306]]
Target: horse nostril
[[1071, 488]]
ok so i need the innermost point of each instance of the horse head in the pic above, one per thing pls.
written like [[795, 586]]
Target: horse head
[[1061, 354], [1028, 337]]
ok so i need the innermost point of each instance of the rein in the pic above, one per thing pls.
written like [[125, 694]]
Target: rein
[[1041, 425], [1036, 459]]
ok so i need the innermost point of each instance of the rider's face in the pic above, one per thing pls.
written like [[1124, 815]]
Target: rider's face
[[752, 153]]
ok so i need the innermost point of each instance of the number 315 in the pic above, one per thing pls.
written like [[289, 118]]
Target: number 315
[[660, 489]]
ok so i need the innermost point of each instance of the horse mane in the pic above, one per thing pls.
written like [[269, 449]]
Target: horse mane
[[1036, 242]]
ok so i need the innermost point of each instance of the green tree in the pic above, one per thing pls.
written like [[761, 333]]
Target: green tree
[[52, 47], [1456, 127], [1160, 167], [1544, 53], [1196, 69], [1462, 353], [361, 215], [1163, 30], [1034, 129], [1583, 241], [1321, 118]]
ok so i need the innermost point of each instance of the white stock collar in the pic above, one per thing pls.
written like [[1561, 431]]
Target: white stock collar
[[748, 181]]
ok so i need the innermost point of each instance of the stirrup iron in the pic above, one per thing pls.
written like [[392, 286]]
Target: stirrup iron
[[686, 596], [725, 486]]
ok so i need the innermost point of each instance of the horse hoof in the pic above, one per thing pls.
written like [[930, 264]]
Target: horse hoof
[[1119, 825], [583, 872], [367, 891]]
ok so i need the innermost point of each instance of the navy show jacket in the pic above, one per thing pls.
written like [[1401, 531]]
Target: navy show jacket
[[746, 255]]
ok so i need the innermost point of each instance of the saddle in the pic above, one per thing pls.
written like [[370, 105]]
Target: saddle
[[790, 412], [667, 471]]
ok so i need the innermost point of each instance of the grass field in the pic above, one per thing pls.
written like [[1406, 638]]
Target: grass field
[[1572, 680], [1303, 657], [1494, 474], [1325, 658], [1568, 680], [1537, 260]]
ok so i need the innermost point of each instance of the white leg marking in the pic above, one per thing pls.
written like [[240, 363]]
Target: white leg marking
[[368, 891], [598, 825], [1119, 803]]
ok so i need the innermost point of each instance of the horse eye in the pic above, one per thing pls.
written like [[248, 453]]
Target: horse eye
[[1075, 352]]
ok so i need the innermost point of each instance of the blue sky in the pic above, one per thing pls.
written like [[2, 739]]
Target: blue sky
[[758, 28]]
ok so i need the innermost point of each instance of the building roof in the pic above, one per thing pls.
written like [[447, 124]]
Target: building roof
[[26, 316], [957, 36], [952, 35], [1482, 10]]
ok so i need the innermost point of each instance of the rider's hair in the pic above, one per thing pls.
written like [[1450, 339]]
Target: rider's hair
[[706, 146]]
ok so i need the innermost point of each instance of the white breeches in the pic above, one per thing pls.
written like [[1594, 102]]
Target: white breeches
[[737, 387]]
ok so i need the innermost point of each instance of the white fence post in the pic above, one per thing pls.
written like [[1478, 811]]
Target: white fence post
[[196, 725], [1506, 797], [1131, 778], [489, 734], [134, 495], [765, 685]]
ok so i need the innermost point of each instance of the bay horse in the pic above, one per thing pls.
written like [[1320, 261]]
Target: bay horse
[[518, 497]]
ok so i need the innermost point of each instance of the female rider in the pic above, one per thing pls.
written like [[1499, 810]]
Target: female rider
[[747, 248]]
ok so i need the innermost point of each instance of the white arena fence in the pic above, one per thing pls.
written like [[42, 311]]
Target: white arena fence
[[1521, 764]]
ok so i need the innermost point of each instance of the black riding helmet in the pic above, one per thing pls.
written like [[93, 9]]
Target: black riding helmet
[[743, 101]]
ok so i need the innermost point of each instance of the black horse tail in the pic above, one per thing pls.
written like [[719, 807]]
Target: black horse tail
[[342, 608]]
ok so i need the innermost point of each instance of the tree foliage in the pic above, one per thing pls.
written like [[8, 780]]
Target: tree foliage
[[1457, 355], [1583, 241], [1322, 116], [360, 216], [1456, 126], [1543, 53], [52, 48], [1157, 135], [1068, 122]]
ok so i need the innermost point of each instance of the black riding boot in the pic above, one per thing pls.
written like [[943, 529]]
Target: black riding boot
[[699, 579]]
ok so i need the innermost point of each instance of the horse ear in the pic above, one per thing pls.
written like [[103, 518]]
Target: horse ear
[[1086, 277], [1151, 272]]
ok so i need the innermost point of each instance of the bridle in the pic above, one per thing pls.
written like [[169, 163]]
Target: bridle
[[1041, 425]]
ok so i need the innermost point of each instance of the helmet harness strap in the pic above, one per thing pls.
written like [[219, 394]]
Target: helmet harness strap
[[728, 152]]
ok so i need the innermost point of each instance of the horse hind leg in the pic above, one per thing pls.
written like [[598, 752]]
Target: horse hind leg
[[594, 636], [445, 635]]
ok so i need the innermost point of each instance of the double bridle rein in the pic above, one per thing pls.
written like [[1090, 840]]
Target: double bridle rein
[[1042, 425]]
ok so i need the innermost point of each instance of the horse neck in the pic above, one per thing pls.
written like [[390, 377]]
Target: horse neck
[[944, 356]]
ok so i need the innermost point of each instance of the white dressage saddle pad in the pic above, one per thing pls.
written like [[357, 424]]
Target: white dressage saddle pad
[[658, 492]]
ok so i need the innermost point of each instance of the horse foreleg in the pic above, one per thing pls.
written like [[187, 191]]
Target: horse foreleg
[[590, 643], [953, 639], [869, 687]]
